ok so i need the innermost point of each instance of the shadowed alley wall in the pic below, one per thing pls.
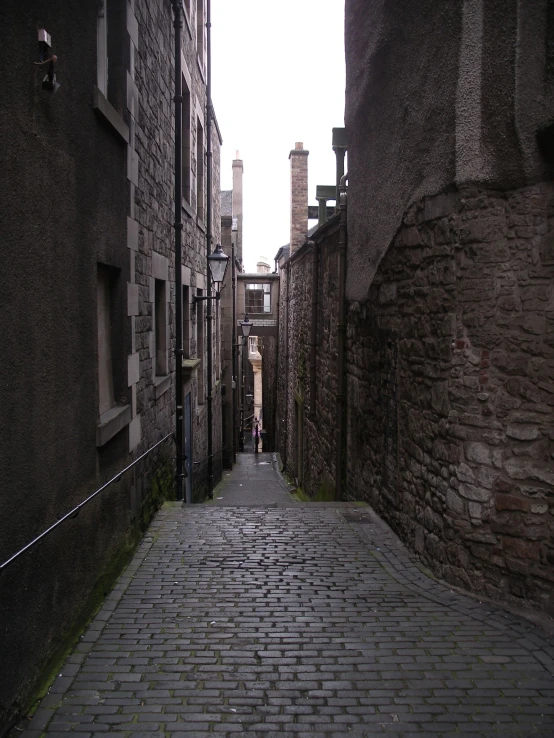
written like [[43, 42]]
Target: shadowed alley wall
[[450, 345]]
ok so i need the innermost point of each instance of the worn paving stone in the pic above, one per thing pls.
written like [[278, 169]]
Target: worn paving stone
[[294, 620]]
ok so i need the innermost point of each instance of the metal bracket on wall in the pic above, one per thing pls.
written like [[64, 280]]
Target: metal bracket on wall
[[45, 56]]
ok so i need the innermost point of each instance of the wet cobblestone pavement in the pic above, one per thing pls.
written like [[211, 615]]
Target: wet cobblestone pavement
[[291, 621]]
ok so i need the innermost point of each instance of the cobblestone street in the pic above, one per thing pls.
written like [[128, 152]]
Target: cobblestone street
[[290, 620]]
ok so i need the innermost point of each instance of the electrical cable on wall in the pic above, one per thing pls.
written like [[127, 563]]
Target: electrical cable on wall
[[45, 56]]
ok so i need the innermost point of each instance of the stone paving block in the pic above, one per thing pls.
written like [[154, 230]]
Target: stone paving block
[[283, 621]]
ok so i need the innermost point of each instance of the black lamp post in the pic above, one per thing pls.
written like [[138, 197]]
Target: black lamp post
[[217, 262], [246, 327]]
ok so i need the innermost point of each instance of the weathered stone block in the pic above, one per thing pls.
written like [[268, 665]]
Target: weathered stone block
[[538, 508], [498, 252], [439, 206], [478, 494], [522, 468], [522, 549], [514, 523], [478, 452], [465, 473], [522, 433], [482, 229], [510, 502]]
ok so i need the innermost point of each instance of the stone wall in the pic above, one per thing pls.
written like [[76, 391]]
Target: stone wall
[[305, 426], [153, 209], [439, 93], [450, 393], [91, 183], [268, 351]]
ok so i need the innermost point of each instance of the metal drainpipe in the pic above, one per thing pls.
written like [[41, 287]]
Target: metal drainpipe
[[180, 471], [287, 393], [209, 314], [341, 344], [234, 347], [313, 327]]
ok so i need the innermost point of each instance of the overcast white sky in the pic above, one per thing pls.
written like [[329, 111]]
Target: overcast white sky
[[277, 78]]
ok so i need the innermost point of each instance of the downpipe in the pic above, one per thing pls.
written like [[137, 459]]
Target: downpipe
[[180, 468], [341, 342], [313, 327]]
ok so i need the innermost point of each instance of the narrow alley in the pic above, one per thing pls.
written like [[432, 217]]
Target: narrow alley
[[259, 614]]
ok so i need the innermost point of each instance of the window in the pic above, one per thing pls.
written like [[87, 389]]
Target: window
[[160, 326], [186, 323], [258, 298], [105, 286], [185, 132], [110, 52], [201, 32], [200, 347], [102, 48], [200, 194]]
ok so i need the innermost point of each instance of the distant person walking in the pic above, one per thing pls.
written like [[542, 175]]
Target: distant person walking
[[256, 439]]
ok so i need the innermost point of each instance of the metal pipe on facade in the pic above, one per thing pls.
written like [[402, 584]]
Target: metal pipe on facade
[[209, 314], [287, 394], [180, 471], [313, 327], [234, 348], [341, 341]]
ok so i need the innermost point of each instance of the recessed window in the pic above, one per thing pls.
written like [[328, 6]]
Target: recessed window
[[201, 31], [110, 51], [200, 190], [200, 347], [160, 326], [186, 136], [105, 287], [186, 323], [258, 298]]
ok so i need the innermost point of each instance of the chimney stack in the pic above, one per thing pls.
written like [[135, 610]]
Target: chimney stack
[[237, 202], [298, 196]]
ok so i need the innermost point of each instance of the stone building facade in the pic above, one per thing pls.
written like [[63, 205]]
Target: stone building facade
[[87, 381], [258, 297], [449, 361]]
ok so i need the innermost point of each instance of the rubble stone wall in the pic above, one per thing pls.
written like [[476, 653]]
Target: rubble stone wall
[[451, 389], [450, 386]]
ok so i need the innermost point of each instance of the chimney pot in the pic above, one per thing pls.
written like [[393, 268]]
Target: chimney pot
[[298, 196]]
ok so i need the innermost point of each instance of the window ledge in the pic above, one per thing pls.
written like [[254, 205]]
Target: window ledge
[[112, 422], [110, 114], [190, 365], [187, 21], [187, 208], [161, 385], [200, 223], [201, 68]]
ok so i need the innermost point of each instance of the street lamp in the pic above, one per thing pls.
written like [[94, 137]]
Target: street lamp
[[246, 327], [217, 262]]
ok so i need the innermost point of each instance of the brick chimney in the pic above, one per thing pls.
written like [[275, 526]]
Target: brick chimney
[[237, 201], [298, 196]]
